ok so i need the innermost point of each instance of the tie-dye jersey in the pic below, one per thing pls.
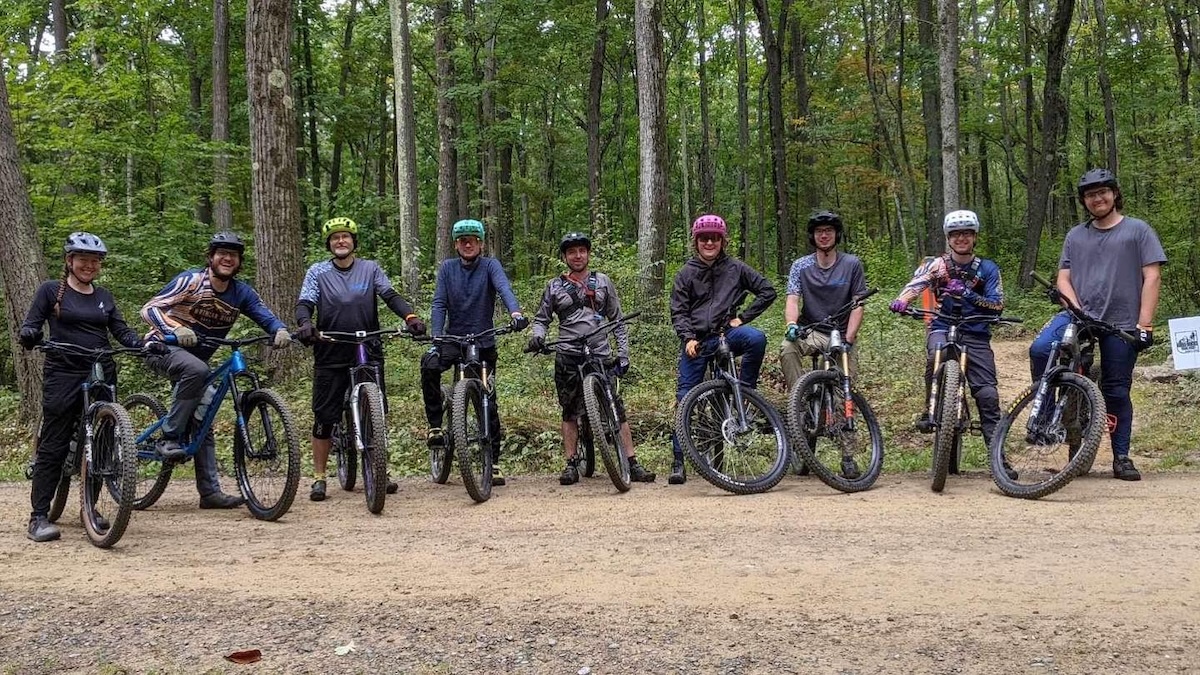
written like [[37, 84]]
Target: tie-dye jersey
[[984, 294]]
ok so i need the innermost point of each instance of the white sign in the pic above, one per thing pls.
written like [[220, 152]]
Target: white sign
[[1185, 342]]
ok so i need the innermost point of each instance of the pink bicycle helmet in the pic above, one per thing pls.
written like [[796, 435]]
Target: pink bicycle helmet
[[709, 224]]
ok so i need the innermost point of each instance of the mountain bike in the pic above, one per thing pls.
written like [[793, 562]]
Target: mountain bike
[[731, 435], [266, 450], [947, 407], [829, 422], [363, 431], [601, 422], [471, 415], [1052, 432], [101, 453]]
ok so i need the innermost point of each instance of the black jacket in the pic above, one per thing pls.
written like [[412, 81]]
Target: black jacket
[[703, 296]]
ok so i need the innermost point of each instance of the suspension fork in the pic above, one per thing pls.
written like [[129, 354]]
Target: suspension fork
[[847, 397], [1043, 387]]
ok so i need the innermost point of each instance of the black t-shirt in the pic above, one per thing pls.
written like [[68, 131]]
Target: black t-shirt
[[83, 319]]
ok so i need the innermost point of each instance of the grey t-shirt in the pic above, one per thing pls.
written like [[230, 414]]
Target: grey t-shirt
[[576, 318], [824, 291], [1106, 268]]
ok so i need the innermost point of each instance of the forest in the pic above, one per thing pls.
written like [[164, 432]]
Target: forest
[[153, 123]]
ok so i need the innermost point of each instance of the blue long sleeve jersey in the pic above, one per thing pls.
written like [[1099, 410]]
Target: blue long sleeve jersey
[[984, 294], [190, 300], [464, 298]]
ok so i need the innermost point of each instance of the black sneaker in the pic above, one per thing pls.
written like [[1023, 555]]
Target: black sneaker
[[1009, 471], [570, 475], [497, 476], [435, 439], [317, 493], [850, 470], [41, 529], [678, 475], [639, 474], [392, 487], [1124, 469], [100, 522], [925, 424], [220, 500], [170, 448]]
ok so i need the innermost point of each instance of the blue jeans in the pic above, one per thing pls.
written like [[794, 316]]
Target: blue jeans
[[1117, 359], [745, 341]]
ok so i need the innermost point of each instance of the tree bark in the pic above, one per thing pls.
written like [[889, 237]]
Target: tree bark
[[310, 100], [933, 242], [407, 221], [222, 216], [1106, 92], [707, 172], [275, 199], [594, 103], [1054, 112], [339, 132], [447, 124], [948, 101], [20, 281], [808, 190], [203, 211], [743, 114], [653, 211], [58, 12], [784, 235]]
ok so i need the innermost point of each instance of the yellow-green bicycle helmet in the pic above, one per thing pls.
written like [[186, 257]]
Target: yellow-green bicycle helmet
[[335, 225]]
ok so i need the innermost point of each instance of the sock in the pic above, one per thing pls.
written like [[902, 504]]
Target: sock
[[318, 476]]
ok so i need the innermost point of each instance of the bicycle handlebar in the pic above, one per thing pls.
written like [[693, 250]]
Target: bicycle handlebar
[[832, 319], [579, 339], [958, 319], [355, 337], [79, 350], [466, 339], [1077, 312]]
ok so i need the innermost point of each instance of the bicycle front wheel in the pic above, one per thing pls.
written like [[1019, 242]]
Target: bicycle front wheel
[[946, 437], [441, 457], [266, 455], [606, 431], [108, 478], [471, 440], [153, 475], [372, 430], [740, 459], [842, 444], [1039, 450]]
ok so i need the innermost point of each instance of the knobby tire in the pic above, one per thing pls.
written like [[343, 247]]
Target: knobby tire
[[153, 475], [268, 471], [373, 433], [111, 471], [606, 432], [471, 441], [805, 432], [947, 430]]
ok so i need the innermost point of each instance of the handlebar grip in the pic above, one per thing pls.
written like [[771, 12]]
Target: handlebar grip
[[1040, 279], [868, 294]]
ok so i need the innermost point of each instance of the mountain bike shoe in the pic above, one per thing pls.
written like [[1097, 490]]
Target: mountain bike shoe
[[570, 475], [41, 529], [317, 493], [1124, 469], [639, 474], [850, 470], [392, 487], [220, 500], [170, 448], [925, 424], [678, 474], [100, 522], [497, 477]]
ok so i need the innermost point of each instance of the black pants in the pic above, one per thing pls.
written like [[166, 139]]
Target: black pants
[[62, 403], [981, 376], [433, 364]]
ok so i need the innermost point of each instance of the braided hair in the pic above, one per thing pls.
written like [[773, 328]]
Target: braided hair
[[62, 288]]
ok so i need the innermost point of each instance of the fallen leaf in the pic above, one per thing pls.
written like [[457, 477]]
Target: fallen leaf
[[345, 649], [245, 656]]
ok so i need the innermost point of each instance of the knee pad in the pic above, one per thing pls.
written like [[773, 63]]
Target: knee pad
[[322, 432]]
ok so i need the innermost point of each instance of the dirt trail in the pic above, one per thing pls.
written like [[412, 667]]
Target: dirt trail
[[1102, 577]]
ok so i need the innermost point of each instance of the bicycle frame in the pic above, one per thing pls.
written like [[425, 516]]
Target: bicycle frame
[[721, 365], [596, 364], [837, 354], [363, 371], [94, 382], [950, 349], [470, 362]]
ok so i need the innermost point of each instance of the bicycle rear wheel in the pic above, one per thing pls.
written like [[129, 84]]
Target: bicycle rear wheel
[[846, 453], [266, 455], [471, 442], [108, 479], [1075, 417], [61, 492], [373, 432], [153, 475], [1039, 450], [947, 418], [441, 458], [740, 460], [347, 455], [606, 432], [585, 453]]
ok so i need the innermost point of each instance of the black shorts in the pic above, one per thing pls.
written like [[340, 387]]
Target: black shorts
[[570, 389], [329, 393]]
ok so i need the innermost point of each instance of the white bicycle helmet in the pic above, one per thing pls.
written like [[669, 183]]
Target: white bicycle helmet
[[960, 220]]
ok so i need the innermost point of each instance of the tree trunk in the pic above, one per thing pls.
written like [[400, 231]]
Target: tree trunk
[[1054, 113], [948, 101], [491, 175], [784, 234], [933, 242], [707, 178], [594, 103], [310, 100], [58, 13], [222, 217], [203, 210], [274, 196], [447, 124], [20, 281], [809, 191], [653, 212], [1106, 92], [743, 114], [1025, 20], [407, 221], [339, 131], [685, 158]]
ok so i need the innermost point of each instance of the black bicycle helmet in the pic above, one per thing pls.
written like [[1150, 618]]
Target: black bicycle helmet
[[84, 242], [574, 239], [227, 240], [1097, 178], [824, 218]]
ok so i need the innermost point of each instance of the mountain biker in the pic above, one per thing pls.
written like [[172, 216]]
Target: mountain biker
[[199, 303], [818, 285], [1110, 267], [82, 313], [582, 300], [464, 302], [342, 291], [704, 299], [966, 285]]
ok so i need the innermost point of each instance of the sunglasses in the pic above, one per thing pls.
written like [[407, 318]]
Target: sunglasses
[[708, 238]]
